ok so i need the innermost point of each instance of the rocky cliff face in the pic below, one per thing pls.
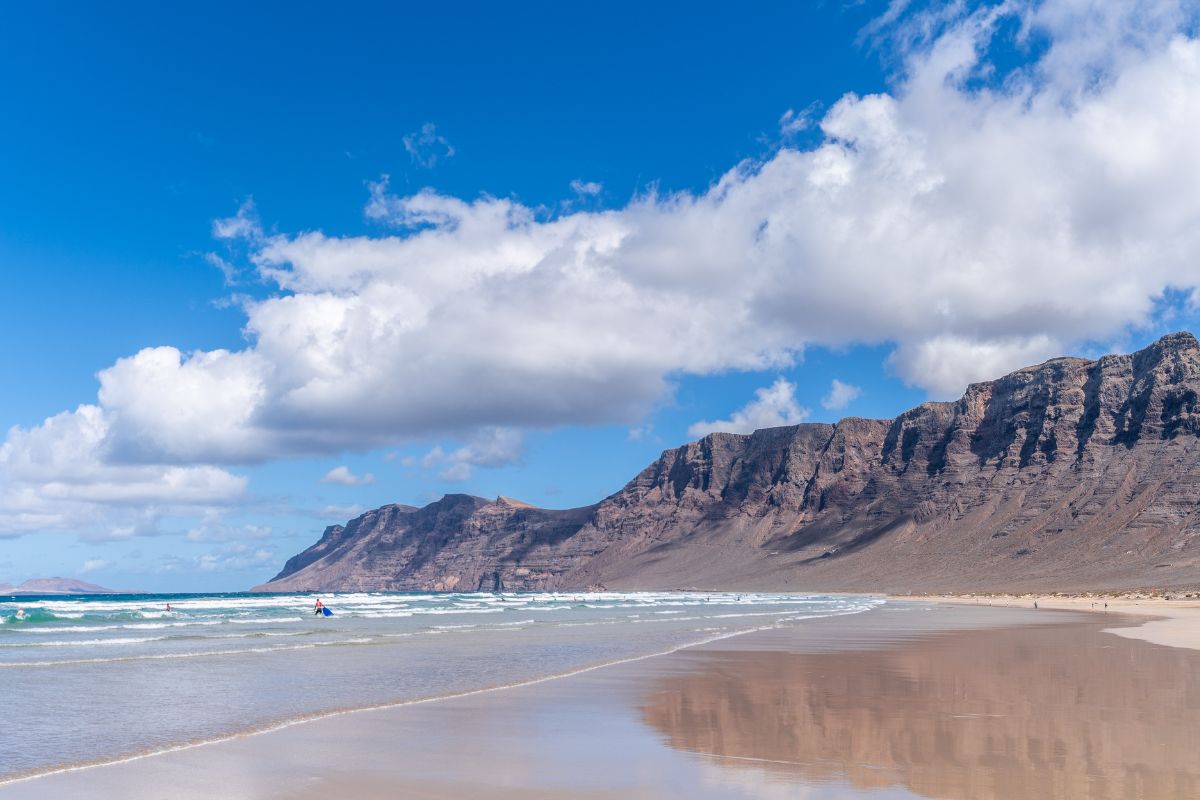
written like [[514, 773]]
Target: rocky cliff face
[[1072, 474]]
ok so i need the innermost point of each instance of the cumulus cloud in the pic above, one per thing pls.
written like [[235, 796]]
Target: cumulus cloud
[[426, 146], [59, 475], [342, 476], [490, 447], [840, 395], [947, 362], [92, 565], [979, 217], [771, 407], [980, 225]]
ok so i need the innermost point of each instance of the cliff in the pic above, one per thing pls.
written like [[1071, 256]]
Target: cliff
[[1073, 474]]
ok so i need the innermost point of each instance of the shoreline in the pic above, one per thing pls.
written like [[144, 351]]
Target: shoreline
[[922, 696], [284, 724], [1167, 619]]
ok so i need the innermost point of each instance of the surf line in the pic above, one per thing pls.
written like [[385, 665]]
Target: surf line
[[284, 724]]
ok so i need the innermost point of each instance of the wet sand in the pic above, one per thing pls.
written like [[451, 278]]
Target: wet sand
[[916, 700], [1175, 622]]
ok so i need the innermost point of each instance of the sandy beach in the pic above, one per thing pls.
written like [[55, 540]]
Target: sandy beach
[[914, 699], [1173, 622]]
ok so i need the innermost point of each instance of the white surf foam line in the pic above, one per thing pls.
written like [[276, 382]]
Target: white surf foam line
[[69, 629], [352, 604], [85, 642], [282, 725], [149, 626], [139, 626], [463, 610], [187, 654]]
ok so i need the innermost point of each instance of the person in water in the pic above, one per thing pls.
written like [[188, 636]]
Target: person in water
[[20, 613], [168, 608], [317, 609]]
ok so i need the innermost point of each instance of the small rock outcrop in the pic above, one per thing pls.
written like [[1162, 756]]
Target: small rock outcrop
[[1072, 474]]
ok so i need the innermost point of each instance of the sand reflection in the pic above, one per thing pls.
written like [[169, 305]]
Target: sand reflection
[[1056, 711]]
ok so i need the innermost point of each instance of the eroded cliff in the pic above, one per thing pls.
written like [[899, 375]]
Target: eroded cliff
[[1073, 474]]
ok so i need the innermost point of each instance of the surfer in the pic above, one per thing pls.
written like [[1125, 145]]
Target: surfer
[[318, 607], [20, 613], [168, 608]]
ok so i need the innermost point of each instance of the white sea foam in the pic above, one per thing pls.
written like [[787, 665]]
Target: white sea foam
[[85, 642], [165, 656], [459, 611]]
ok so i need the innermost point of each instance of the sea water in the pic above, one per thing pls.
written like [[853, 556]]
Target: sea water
[[98, 678]]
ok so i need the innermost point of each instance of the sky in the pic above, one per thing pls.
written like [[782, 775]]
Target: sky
[[268, 267]]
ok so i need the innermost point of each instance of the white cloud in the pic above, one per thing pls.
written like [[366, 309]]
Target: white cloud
[[639, 432], [245, 224], [489, 447], [229, 272], [235, 557], [92, 565], [230, 557], [426, 147], [840, 395], [771, 407], [164, 405], [213, 528], [58, 475], [947, 363], [456, 472], [586, 188], [342, 476], [977, 219], [792, 122], [341, 513]]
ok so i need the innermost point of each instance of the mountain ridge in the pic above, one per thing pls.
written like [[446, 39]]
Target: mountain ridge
[[1066, 475], [55, 586]]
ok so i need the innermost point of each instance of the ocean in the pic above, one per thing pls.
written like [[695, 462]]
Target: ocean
[[91, 679]]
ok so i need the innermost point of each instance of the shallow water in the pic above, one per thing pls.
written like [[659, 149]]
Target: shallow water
[[95, 678], [905, 701]]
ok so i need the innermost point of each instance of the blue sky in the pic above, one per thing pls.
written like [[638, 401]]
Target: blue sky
[[695, 202]]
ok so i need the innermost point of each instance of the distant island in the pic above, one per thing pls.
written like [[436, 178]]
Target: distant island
[[1071, 475], [55, 586]]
